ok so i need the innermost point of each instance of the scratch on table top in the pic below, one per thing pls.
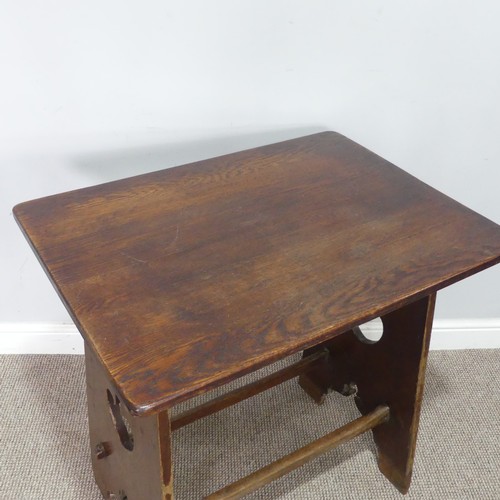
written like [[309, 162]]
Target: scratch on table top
[[171, 245], [125, 254], [176, 235]]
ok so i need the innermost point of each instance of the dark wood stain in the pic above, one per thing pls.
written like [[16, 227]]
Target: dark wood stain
[[390, 371], [183, 279]]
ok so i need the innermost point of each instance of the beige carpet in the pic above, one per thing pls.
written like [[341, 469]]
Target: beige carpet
[[43, 437]]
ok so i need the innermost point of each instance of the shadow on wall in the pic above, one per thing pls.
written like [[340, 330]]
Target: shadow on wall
[[116, 164]]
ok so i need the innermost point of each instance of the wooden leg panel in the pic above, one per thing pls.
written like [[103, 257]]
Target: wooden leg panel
[[316, 381], [131, 456], [390, 371]]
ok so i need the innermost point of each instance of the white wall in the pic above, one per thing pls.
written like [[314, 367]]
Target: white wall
[[92, 91]]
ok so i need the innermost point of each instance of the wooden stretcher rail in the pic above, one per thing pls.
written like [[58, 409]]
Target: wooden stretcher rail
[[247, 391], [299, 457]]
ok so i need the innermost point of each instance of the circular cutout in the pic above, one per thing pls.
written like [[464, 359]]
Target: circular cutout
[[121, 423], [370, 332]]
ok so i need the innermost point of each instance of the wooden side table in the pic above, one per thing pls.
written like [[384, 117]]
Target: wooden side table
[[184, 279]]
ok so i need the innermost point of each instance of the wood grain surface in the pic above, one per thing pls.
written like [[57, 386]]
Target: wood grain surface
[[183, 279]]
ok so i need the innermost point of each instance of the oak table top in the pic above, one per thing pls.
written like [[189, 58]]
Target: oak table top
[[183, 279]]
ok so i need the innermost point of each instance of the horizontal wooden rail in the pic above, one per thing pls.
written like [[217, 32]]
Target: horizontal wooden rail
[[299, 457], [247, 391]]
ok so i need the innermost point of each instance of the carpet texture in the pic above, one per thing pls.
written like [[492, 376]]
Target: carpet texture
[[44, 449]]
